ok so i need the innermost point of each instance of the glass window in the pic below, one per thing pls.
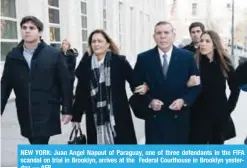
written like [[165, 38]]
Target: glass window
[[194, 9], [105, 25], [54, 16], [84, 47], [104, 3], [84, 21], [84, 35], [83, 7], [8, 29], [56, 45], [53, 3], [121, 26], [84, 18], [8, 8], [6, 48], [54, 34], [104, 13]]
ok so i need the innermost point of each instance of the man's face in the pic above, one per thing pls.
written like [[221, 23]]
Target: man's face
[[164, 36], [30, 32], [195, 34]]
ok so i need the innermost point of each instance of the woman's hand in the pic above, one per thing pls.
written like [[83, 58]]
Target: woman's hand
[[194, 81], [142, 89]]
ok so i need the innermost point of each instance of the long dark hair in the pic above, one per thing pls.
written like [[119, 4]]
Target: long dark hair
[[219, 51], [113, 47]]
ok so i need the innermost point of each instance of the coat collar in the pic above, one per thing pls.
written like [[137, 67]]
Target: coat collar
[[84, 71], [17, 52], [156, 61]]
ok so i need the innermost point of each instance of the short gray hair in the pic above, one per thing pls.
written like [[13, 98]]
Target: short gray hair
[[164, 23]]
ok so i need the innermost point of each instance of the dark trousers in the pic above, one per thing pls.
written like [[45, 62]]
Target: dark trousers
[[39, 140]]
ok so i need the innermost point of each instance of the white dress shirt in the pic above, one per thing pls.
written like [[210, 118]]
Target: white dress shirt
[[168, 55]]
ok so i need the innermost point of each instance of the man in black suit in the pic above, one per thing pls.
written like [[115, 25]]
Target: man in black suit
[[196, 29], [166, 106]]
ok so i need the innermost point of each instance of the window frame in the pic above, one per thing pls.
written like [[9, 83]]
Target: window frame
[[105, 20], [7, 40], [194, 7], [83, 28], [54, 6], [121, 26], [54, 25]]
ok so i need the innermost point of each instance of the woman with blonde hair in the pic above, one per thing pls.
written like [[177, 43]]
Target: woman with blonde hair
[[101, 93], [70, 55], [211, 122]]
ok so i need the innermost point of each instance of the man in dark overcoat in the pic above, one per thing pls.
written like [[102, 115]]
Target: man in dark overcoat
[[38, 75]]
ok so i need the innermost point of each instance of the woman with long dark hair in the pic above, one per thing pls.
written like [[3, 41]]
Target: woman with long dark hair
[[211, 122]]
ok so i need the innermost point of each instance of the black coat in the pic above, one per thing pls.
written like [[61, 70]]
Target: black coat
[[165, 126], [38, 91], [241, 72], [70, 59], [213, 108], [190, 47], [121, 72]]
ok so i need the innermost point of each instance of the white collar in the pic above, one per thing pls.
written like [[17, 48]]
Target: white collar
[[29, 50], [168, 54]]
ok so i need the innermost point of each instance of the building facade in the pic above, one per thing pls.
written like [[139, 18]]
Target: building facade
[[129, 22]]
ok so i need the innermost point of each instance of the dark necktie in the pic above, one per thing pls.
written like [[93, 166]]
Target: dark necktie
[[165, 65]]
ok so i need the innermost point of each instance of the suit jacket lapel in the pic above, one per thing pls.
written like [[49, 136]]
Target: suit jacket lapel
[[157, 68], [172, 64]]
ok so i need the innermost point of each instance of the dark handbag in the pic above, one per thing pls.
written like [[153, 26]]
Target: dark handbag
[[75, 139]]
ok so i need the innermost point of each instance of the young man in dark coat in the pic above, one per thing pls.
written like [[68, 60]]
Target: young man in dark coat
[[38, 75], [196, 29]]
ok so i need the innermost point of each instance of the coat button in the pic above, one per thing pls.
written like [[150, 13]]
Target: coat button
[[154, 116], [176, 116]]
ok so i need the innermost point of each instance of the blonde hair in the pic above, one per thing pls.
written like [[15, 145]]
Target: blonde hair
[[67, 42]]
